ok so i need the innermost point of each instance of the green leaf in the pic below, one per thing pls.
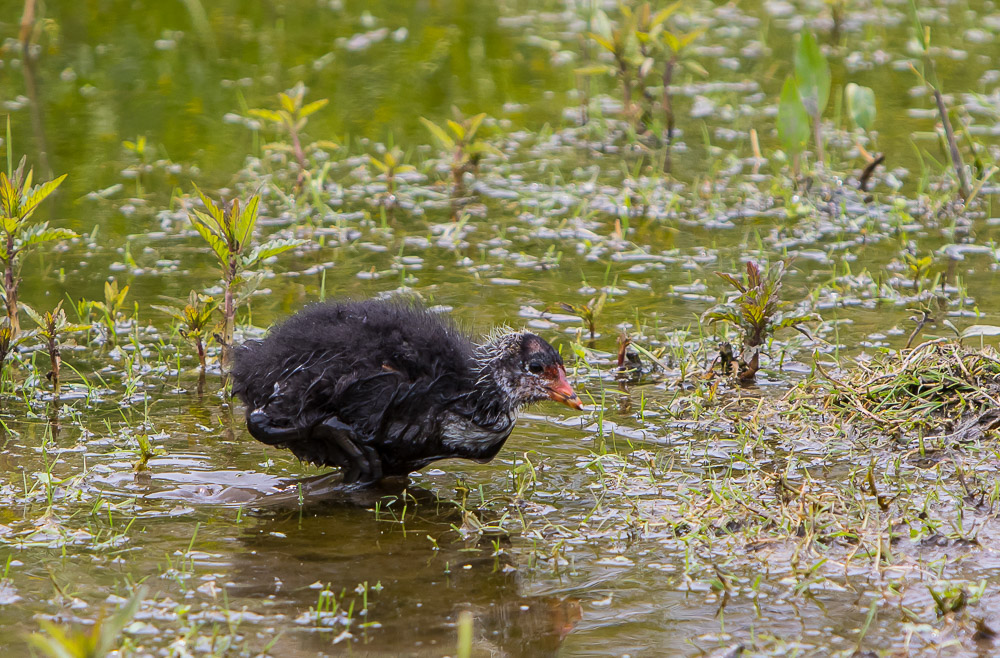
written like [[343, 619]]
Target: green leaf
[[596, 69], [246, 221], [439, 134], [286, 102], [38, 195], [695, 67], [378, 164], [213, 210], [42, 233], [310, 108], [664, 13], [9, 197], [479, 148], [861, 106], [33, 314], [813, 74], [218, 244], [457, 129], [601, 26], [271, 248], [267, 115], [672, 41], [689, 38], [602, 42], [793, 120], [474, 123], [981, 330], [733, 281], [172, 311]]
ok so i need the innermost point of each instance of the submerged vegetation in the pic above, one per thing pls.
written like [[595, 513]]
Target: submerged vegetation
[[633, 179]]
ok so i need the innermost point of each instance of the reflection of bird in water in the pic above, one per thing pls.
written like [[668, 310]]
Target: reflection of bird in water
[[529, 627], [427, 572], [384, 388]]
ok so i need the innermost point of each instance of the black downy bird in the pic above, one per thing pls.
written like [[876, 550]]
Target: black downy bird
[[384, 388]]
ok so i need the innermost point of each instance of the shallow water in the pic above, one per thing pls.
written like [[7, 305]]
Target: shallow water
[[653, 523]]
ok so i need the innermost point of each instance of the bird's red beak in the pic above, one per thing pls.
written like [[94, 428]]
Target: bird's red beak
[[561, 391]]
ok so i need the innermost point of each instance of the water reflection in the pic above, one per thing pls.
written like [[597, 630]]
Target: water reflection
[[288, 556]]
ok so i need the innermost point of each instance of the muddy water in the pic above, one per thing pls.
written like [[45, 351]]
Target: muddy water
[[591, 534]]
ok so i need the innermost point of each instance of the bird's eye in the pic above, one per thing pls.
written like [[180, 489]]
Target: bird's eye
[[535, 368]]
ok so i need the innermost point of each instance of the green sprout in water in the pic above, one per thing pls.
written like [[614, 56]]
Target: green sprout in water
[[292, 119], [51, 326], [757, 312], [462, 146], [389, 166], [100, 641], [645, 52], [194, 320], [139, 148], [228, 230], [112, 309], [804, 97], [18, 202], [588, 312]]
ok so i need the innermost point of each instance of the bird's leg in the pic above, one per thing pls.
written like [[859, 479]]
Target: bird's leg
[[374, 464], [358, 465], [263, 429]]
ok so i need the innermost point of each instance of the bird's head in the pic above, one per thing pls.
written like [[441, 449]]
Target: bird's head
[[526, 368]]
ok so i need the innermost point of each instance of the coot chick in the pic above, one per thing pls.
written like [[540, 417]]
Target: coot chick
[[384, 388]]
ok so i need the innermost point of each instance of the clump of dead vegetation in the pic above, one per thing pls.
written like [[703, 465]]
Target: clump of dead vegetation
[[939, 388]]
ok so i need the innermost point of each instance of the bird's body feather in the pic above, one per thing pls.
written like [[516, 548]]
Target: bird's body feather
[[392, 380]]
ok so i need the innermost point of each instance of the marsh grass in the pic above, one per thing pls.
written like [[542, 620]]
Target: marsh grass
[[843, 506]]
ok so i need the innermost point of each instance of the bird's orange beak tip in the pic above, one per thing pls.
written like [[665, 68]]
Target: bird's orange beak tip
[[561, 391]]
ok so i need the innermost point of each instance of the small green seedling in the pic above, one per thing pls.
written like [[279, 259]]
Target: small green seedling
[[194, 320], [588, 312], [52, 325], [98, 642], [812, 73], [389, 166], [793, 122], [18, 202], [291, 118], [460, 143], [228, 230], [112, 308], [757, 312]]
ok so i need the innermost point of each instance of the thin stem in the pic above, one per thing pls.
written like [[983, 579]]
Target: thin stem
[[956, 157], [10, 289]]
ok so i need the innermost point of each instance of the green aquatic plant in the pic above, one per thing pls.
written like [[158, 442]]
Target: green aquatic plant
[[812, 74], [138, 147], [194, 320], [19, 200], [228, 230], [588, 312], [918, 267], [462, 146], [623, 45], [291, 118], [803, 99], [99, 641], [112, 309], [645, 51], [676, 54], [860, 106], [389, 166], [929, 77], [757, 312], [793, 122], [52, 326]]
